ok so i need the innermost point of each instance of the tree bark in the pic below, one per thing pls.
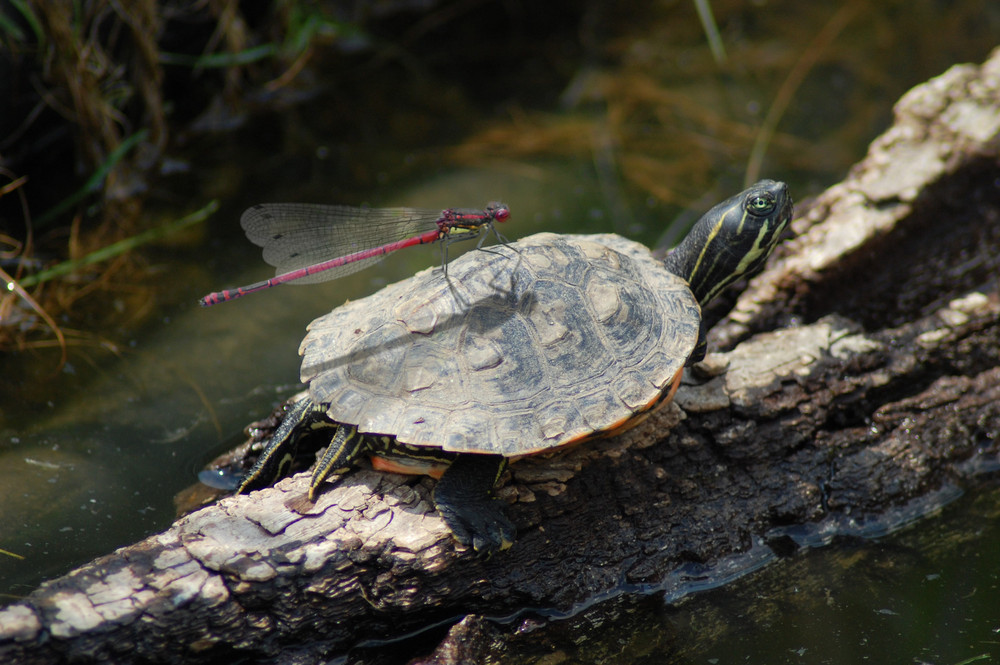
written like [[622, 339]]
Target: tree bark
[[854, 385]]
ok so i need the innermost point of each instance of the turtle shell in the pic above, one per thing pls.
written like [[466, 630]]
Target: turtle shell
[[521, 348]]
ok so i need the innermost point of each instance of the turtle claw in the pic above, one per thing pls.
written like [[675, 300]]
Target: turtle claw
[[463, 497], [481, 526]]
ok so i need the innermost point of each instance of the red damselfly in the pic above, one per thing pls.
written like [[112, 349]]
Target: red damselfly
[[310, 243]]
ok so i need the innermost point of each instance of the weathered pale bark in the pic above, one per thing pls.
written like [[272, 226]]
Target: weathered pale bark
[[864, 373]]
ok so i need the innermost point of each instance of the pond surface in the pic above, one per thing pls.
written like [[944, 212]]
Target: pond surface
[[634, 129]]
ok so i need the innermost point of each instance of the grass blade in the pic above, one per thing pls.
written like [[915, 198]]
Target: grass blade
[[119, 247], [95, 181]]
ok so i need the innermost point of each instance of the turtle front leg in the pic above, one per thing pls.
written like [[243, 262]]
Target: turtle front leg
[[347, 445], [464, 499], [279, 452]]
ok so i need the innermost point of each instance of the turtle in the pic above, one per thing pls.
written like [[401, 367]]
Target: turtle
[[523, 349]]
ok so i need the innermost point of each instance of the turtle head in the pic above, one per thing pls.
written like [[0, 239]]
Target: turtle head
[[732, 240]]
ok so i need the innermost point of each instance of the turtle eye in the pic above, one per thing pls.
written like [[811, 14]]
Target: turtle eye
[[760, 204]]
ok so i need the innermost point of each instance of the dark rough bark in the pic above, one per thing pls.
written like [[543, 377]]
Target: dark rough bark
[[859, 374]]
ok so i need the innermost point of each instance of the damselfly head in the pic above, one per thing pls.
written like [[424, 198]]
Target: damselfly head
[[497, 211]]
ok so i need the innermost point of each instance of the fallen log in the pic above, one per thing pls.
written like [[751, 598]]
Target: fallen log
[[859, 375]]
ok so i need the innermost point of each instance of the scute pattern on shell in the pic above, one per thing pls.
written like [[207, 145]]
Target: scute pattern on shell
[[524, 351]]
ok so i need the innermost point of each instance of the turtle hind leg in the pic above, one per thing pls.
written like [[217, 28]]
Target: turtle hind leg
[[276, 459], [347, 445], [464, 499]]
